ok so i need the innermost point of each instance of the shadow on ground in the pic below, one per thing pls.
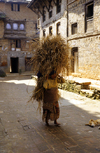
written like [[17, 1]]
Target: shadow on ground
[[22, 129]]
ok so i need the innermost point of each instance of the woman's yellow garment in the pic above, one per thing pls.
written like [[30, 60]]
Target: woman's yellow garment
[[52, 83], [49, 83]]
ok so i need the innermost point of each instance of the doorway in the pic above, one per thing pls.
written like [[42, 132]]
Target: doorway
[[14, 65], [74, 61]]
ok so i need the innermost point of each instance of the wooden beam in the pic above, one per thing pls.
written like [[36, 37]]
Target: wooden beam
[[54, 2], [45, 5], [40, 11], [38, 7], [50, 4], [34, 10]]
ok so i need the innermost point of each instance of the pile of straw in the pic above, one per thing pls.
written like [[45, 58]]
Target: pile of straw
[[52, 53]]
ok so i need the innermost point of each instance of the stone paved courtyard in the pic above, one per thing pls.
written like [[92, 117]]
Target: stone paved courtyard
[[22, 129]]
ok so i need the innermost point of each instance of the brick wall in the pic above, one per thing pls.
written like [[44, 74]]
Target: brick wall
[[1, 29], [24, 14], [30, 19]]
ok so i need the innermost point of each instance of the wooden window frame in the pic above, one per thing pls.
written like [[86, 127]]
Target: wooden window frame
[[44, 32], [11, 24], [57, 28], [73, 26], [87, 18], [58, 7], [44, 14], [15, 7], [50, 30], [17, 43]]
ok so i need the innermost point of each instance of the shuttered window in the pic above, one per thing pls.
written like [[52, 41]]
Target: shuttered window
[[15, 7]]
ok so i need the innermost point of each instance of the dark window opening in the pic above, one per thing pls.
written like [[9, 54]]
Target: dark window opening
[[44, 14], [89, 16], [89, 11], [36, 26], [18, 43], [15, 7], [74, 28], [58, 6], [44, 33], [74, 60], [50, 13], [58, 28], [50, 31], [15, 44]]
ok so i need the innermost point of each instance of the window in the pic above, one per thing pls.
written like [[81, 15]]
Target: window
[[44, 14], [74, 28], [38, 23], [89, 11], [15, 7], [35, 26], [15, 26], [44, 33], [8, 26], [89, 16], [50, 13], [12, 45], [58, 6], [15, 44], [18, 43], [74, 60], [50, 31], [58, 28], [21, 27]]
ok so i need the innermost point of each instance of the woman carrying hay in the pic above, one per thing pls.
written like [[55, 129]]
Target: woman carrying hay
[[50, 59]]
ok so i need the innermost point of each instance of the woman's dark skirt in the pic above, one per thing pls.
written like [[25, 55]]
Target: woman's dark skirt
[[50, 104]]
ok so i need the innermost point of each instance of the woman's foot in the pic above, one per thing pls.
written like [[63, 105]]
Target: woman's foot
[[47, 122], [56, 123]]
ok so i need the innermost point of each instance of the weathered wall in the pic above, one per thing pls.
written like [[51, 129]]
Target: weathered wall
[[30, 18], [1, 29], [88, 42], [56, 17], [24, 14]]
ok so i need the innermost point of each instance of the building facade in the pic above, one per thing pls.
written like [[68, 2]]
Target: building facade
[[18, 25], [51, 17], [84, 36], [78, 22]]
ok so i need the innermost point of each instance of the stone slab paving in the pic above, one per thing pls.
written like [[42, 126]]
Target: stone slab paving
[[22, 129]]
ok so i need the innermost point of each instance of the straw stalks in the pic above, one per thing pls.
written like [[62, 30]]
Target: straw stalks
[[51, 53]]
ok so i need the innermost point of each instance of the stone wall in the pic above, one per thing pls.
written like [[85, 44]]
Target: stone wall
[[88, 42], [85, 43]]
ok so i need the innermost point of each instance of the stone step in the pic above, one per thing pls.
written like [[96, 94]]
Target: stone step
[[94, 87], [82, 83], [87, 93]]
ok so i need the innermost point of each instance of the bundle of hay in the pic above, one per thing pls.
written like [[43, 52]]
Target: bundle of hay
[[52, 53]]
